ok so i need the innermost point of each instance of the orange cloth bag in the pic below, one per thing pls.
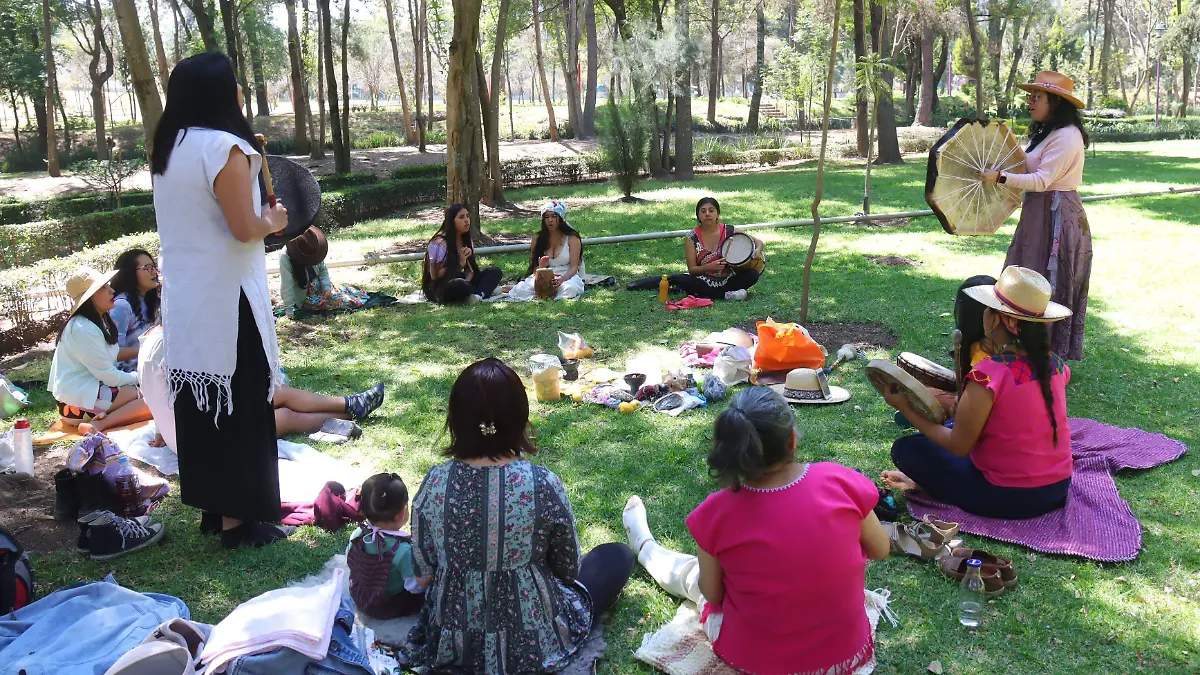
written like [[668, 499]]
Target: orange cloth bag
[[784, 346]]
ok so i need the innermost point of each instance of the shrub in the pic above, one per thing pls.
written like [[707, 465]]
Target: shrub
[[419, 171], [26, 243], [363, 202], [110, 175], [771, 157], [624, 144], [378, 139], [715, 152], [26, 159], [17, 212]]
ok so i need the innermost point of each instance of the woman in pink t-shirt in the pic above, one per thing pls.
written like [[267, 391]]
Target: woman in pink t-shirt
[[1008, 453], [782, 550]]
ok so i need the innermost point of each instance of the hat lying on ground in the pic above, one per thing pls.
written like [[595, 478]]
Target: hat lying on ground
[[805, 385]]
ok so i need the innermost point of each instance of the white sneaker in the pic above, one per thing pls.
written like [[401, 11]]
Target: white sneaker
[[740, 294]]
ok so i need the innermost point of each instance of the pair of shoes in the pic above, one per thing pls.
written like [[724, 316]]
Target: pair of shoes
[[106, 535], [66, 496], [363, 404], [886, 509], [929, 539], [998, 573], [251, 534], [740, 294]]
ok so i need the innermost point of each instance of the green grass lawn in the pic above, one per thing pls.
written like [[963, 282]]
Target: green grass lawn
[[1141, 369]]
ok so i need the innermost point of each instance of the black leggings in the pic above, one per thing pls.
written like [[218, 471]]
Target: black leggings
[[693, 285], [484, 283], [604, 571]]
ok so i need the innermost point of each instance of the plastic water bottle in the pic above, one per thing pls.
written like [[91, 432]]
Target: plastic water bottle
[[128, 489], [22, 437], [970, 606]]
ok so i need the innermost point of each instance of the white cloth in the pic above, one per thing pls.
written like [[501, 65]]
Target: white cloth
[[205, 269], [303, 471], [1055, 164], [560, 263], [298, 618], [155, 392], [136, 444], [83, 360]]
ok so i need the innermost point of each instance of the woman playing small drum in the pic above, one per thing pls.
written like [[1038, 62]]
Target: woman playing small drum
[[709, 274]]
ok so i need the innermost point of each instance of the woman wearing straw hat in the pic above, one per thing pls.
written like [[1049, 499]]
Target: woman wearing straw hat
[[84, 377], [304, 278], [221, 354], [1008, 454], [1053, 236]]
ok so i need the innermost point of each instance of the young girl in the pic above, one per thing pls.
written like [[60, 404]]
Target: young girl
[[84, 377], [709, 276], [135, 309], [1009, 452], [557, 247], [382, 581], [451, 273], [782, 549]]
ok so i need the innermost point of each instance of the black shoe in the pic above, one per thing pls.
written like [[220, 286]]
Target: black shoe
[[66, 496], [210, 523], [110, 535], [251, 534], [95, 494], [83, 545], [886, 509]]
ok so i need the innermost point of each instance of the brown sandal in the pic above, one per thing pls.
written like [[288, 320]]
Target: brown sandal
[[955, 567], [1008, 574]]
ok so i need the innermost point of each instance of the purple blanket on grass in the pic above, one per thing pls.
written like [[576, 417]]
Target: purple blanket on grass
[[1095, 523]]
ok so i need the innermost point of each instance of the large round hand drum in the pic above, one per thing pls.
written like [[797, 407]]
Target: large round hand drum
[[299, 192], [884, 375], [961, 201]]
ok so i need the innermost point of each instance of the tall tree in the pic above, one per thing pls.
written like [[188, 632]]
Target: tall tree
[[537, 42], [138, 60], [493, 192], [928, 84], [416, 24], [240, 64], [318, 150], [862, 120], [588, 122], [885, 117], [160, 52], [299, 87], [977, 68], [464, 156], [346, 80], [87, 27], [820, 183], [760, 62], [714, 67], [570, 65], [229, 11], [1106, 8], [683, 103], [1021, 29], [51, 90], [253, 37], [204, 23], [341, 153], [410, 133]]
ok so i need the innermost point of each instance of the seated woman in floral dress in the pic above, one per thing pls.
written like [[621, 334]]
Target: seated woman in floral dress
[[304, 279]]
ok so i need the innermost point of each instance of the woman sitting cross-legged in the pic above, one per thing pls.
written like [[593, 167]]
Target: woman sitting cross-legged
[[84, 377], [450, 273], [782, 550], [135, 308], [304, 277], [559, 248], [709, 275], [509, 591], [1008, 454]]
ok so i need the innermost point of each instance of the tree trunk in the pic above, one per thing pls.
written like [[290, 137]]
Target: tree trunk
[[62, 111], [464, 156], [1106, 45], [256, 68], [139, 67], [299, 90], [490, 124], [1187, 83], [588, 122], [861, 121], [493, 193], [304, 57], [51, 86], [228, 16], [977, 71], [820, 183], [885, 108], [940, 71], [346, 82], [1090, 17], [341, 154], [428, 68], [98, 76], [683, 100], [570, 21], [928, 78], [417, 30], [1018, 52], [318, 151], [160, 53], [409, 131], [204, 23], [537, 42], [760, 58], [714, 61], [664, 156]]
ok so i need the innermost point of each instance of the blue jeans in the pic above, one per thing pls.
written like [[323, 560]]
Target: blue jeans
[[957, 481], [344, 658]]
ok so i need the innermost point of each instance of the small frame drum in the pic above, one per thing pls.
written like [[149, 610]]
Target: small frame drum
[[738, 251], [884, 375], [927, 372]]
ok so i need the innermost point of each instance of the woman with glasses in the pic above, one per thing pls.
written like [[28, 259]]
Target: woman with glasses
[[135, 309], [1053, 236]]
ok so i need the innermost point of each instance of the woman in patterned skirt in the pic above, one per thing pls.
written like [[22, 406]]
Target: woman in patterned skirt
[[510, 593]]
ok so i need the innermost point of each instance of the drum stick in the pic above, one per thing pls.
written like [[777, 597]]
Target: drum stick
[[956, 337], [262, 141]]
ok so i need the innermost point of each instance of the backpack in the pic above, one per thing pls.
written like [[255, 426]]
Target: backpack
[[16, 574]]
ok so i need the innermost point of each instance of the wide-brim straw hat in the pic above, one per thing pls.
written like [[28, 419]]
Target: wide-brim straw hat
[[84, 283], [808, 386], [310, 248], [1021, 293], [1055, 83]]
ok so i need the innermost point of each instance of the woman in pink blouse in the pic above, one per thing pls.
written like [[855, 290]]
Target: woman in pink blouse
[[1053, 236], [1008, 454], [781, 551]]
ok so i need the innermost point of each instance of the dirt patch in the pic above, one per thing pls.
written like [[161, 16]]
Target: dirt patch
[[894, 261], [865, 335], [20, 338], [27, 505]]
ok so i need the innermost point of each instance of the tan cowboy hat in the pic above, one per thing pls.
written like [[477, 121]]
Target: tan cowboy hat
[[310, 248], [1055, 83], [84, 283], [1020, 293], [808, 386]]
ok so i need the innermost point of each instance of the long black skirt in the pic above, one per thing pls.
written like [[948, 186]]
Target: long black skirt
[[228, 465]]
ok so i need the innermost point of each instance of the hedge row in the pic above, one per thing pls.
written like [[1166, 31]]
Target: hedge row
[[17, 212]]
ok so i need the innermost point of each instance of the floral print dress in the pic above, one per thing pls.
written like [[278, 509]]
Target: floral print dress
[[501, 546]]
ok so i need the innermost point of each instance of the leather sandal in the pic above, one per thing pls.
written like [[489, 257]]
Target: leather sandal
[[1008, 574], [916, 539], [955, 567]]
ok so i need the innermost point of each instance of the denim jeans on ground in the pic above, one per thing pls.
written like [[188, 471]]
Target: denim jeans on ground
[[344, 658]]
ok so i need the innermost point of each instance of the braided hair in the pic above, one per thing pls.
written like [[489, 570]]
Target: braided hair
[[1035, 338]]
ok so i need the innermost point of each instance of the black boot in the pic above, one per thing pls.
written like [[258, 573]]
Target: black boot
[[95, 493], [66, 496]]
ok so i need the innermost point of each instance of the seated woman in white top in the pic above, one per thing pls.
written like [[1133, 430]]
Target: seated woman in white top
[[84, 377], [557, 247], [138, 298]]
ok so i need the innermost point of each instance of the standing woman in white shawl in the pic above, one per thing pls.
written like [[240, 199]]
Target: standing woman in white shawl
[[221, 354]]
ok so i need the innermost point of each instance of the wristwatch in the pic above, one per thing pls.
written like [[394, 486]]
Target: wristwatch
[[1002, 179]]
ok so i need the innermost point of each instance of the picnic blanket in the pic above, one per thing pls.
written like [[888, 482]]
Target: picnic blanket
[[1095, 523], [61, 433], [373, 300], [589, 281]]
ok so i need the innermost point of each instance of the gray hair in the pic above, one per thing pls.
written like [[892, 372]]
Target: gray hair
[[749, 436]]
